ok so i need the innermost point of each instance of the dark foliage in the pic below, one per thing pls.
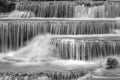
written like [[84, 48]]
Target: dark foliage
[[6, 6]]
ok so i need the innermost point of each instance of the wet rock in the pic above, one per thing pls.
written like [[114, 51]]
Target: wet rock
[[112, 63]]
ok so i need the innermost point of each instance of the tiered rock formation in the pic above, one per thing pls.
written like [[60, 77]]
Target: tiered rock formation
[[82, 30]]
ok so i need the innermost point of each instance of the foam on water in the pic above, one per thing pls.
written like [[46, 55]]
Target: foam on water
[[39, 51], [74, 64], [21, 14], [38, 48]]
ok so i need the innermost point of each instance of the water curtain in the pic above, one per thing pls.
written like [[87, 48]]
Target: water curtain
[[113, 10], [109, 10], [82, 11], [21, 14], [86, 49], [47, 9], [71, 9], [15, 33]]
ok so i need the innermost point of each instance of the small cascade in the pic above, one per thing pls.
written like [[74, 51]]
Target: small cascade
[[15, 34], [86, 49], [74, 47], [113, 10], [64, 27], [82, 11], [47, 9], [22, 14], [70, 9], [48, 75]]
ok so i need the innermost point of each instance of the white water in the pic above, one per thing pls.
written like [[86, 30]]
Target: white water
[[74, 64], [40, 52], [21, 14], [38, 48]]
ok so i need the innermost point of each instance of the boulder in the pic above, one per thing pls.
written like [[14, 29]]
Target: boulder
[[111, 63]]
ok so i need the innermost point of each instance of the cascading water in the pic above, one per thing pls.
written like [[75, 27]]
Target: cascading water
[[71, 9], [47, 9], [55, 58], [22, 14], [67, 48], [86, 49], [39, 52], [38, 48], [14, 34], [82, 11]]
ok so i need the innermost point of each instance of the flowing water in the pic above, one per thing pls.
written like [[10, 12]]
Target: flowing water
[[40, 52], [16, 34], [25, 46], [86, 49], [68, 49], [21, 14], [39, 47], [71, 9], [47, 9]]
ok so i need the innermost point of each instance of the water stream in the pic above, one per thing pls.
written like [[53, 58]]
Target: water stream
[[71, 9], [16, 34]]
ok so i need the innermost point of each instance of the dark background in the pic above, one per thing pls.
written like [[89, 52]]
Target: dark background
[[6, 6]]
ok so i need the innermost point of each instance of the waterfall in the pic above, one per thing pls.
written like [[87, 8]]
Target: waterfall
[[25, 47], [113, 10], [70, 9], [86, 49], [14, 34], [109, 10], [82, 11], [73, 49], [22, 14], [47, 9]]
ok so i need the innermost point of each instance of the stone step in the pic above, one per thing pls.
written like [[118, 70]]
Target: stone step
[[59, 19], [63, 26], [99, 37]]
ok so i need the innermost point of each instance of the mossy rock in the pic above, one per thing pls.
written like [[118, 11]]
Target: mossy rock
[[112, 63]]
